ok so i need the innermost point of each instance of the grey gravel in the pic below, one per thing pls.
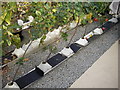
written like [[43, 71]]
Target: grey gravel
[[66, 73]]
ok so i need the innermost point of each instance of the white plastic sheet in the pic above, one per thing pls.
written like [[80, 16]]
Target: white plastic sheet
[[114, 7], [45, 67], [18, 52], [82, 42], [11, 87], [98, 31], [114, 20], [67, 52]]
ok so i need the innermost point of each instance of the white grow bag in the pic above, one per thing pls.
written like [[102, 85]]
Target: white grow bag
[[12, 87], [82, 42], [97, 31], [45, 67], [18, 52], [67, 52]]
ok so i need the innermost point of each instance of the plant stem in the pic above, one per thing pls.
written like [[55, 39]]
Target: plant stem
[[84, 32], [118, 8], [71, 38], [73, 34], [20, 64], [50, 50], [48, 56]]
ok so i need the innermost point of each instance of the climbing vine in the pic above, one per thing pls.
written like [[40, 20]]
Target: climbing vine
[[46, 16]]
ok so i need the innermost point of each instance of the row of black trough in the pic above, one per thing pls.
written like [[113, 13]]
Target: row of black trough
[[39, 71]]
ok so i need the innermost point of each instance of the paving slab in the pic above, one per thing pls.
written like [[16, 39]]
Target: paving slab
[[103, 73]]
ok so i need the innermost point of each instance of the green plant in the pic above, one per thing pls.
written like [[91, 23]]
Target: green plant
[[48, 16]]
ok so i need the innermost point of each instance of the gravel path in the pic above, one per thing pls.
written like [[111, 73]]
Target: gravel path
[[70, 70]]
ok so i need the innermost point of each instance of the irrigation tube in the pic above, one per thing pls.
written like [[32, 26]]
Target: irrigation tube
[[43, 68]]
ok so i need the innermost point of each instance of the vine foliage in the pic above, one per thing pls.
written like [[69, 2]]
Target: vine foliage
[[47, 17]]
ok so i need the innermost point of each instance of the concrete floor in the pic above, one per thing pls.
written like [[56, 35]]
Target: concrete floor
[[103, 73], [69, 71]]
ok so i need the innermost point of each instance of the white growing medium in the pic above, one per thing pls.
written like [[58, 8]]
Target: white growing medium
[[11, 87], [88, 35], [33, 46], [24, 47], [82, 42], [67, 52], [97, 31], [114, 20], [52, 35], [45, 67], [38, 40], [18, 52]]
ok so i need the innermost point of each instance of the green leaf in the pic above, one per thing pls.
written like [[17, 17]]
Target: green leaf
[[12, 5], [83, 22], [20, 61], [3, 16], [1, 42], [4, 27], [42, 39], [8, 17], [21, 58], [35, 33], [64, 35], [16, 41], [82, 15], [1, 20], [8, 42], [9, 33], [48, 16], [38, 13]]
